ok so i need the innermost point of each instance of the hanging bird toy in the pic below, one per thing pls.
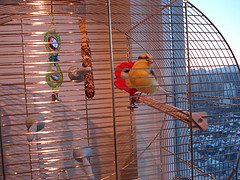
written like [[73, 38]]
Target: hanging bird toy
[[54, 76]]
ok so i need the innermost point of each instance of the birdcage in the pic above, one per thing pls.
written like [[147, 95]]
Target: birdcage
[[65, 116]]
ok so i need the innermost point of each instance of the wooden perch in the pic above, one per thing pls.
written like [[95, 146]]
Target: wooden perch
[[198, 119]]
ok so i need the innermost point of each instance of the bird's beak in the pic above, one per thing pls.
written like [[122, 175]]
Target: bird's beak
[[150, 62]]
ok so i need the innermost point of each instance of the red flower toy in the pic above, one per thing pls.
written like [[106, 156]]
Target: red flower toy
[[121, 74]]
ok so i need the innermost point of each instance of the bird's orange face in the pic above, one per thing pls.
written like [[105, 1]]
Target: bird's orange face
[[143, 63], [145, 56], [145, 59]]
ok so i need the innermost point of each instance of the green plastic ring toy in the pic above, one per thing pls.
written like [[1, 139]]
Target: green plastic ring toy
[[52, 41], [54, 78]]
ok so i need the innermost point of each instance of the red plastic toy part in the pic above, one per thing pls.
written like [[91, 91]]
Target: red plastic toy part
[[120, 82]]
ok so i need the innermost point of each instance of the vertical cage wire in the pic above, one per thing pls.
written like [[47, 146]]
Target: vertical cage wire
[[112, 86], [1, 144]]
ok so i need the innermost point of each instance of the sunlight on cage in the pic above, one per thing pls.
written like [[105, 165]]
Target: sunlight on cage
[[66, 112]]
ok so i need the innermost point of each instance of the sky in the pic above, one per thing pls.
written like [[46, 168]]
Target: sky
[[225, 15]]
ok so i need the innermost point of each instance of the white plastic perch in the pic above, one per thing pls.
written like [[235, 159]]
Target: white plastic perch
[[197, 119], [76, 74], [34, 124], [83, 157]]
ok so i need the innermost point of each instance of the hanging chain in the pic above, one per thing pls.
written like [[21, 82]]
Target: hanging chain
[[52, 24]]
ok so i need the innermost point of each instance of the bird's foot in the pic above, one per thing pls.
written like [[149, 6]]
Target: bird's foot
[[132, 103], [132, 107], [133, 100], [137, 97]]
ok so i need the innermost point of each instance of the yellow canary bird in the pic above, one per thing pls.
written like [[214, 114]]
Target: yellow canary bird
[[141, 76]]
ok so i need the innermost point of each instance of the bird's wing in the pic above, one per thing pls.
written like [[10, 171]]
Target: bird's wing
[[153, 74]]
